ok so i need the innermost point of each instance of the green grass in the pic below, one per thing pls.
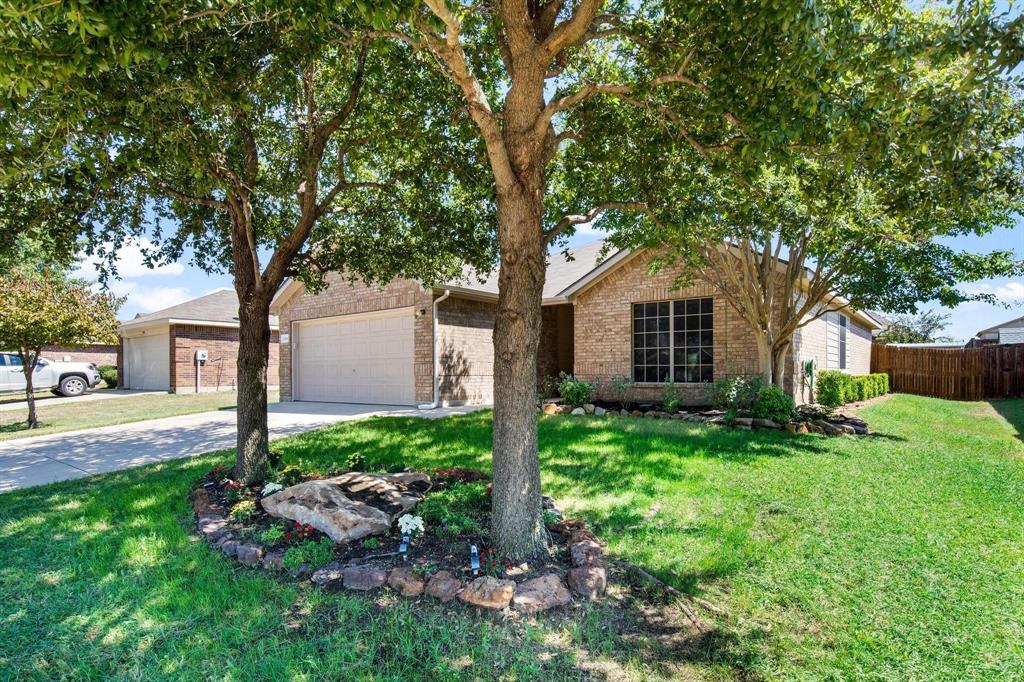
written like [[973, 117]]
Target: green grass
[[892, 557], [72, 415]]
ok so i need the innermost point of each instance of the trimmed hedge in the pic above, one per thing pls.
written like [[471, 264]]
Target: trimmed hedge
[[837, 388], [109, 374]]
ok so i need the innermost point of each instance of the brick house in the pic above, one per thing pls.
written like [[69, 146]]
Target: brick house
[[99, 354], [158, 351], [604, 315]]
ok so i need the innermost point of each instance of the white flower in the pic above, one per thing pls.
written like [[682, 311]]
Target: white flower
[[410, 525], [271, 488]]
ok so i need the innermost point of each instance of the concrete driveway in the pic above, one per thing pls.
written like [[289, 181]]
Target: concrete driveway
[[103, 394], [34, 461]]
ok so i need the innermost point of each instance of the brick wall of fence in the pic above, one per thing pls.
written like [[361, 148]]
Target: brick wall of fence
[[953, 373]]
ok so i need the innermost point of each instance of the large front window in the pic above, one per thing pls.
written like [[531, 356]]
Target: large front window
[[673, 340]]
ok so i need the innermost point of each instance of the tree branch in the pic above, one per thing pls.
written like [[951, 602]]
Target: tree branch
[[188, 198], [572, 30], [577, 219], [449, 50]]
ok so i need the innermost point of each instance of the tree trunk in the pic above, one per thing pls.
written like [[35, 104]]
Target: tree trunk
[[764, 357], [779, 364], [517, 522], [28, 366], [253, 352]]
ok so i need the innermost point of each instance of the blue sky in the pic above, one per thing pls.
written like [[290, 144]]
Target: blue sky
[[148, 290]]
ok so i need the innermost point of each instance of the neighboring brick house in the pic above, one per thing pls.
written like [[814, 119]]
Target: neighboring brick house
[[158, 351], [99, 354], [604, 315]]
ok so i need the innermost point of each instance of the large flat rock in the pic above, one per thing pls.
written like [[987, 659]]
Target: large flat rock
[[350, 506]]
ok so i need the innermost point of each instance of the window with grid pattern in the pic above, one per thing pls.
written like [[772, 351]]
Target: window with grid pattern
[[673, 340]]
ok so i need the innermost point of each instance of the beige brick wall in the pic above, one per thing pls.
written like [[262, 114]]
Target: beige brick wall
[[603, 328], [344, 298], [466, 350], [220, 371], [817, 341]]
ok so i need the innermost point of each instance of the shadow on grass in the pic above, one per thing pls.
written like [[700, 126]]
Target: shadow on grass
[[1012, 410], [102, 576]]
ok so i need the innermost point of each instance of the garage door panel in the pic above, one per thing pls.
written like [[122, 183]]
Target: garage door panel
[[367, 360], [147, 362]]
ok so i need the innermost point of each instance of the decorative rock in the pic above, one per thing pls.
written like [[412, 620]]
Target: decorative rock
[[564, 409], [226, 537], [828, 428], [363, 577], [540, 594], [212, 527], [328, 573], [301, 572], [581, 535], [585, 553], [273, 561], [814, 428], [406, 581], [579, 411], [550, 408], [350, 506], [765, 424], [589, 408], [547, 503], [230, 547], [743, 422], [488, 592], [625, 413], [249, 555], [599, 412], [203, 505], [444, 586], [588, 581]]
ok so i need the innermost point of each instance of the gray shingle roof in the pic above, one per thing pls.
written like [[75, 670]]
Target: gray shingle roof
[[561, 271], [219, 306]]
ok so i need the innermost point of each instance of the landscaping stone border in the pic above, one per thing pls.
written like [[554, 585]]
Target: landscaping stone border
[[813, 419], [586, 576]]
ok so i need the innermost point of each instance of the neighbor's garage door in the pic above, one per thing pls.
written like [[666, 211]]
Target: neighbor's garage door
[[366, 359], [147, 362]]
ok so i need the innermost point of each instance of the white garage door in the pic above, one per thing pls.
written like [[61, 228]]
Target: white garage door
[[368, 359], [147, 362]]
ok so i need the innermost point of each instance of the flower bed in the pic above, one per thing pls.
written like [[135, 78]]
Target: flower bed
[[428, 551]]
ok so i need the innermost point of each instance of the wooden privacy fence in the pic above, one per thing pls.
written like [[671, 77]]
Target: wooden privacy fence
[[954, 373]]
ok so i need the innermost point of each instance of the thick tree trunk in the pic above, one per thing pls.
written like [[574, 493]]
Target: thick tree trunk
[[253, 352], [28, 365], [517, 522]]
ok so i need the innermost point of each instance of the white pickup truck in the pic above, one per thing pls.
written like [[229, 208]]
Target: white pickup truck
[[66, 378]]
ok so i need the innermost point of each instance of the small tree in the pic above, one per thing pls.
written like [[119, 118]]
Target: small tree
[[42, 309], [921, 328]]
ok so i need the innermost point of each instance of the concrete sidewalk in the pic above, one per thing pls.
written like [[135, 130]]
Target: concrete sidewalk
[[44, 459]]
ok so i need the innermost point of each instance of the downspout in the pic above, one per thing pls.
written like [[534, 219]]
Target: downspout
[[437, 360]]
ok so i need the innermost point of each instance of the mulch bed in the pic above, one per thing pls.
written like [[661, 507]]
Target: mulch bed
[[437, 563]]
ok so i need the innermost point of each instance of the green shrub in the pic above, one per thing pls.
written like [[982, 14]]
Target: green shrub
[[837, 388], [621, 387], [833, 387], [371, 543], [737, 393], [313, 554], [575, 392], [671, 399], [773, 403], [109, 375]]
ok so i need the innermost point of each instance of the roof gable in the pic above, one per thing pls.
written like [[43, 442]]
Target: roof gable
[[219, 307]]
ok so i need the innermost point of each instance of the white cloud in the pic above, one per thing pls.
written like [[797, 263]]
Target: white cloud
[[131, 262], [1008, 292], [147, 299]]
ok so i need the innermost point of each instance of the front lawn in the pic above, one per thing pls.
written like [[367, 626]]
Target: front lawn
[[72, 415], [898, 556]]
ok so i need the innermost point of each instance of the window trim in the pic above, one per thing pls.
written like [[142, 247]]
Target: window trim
[[672, 346], [842, 340]]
